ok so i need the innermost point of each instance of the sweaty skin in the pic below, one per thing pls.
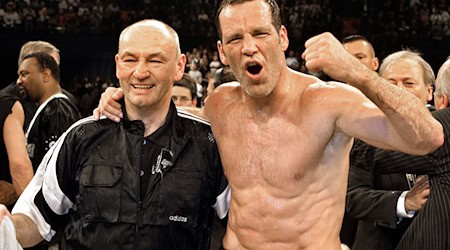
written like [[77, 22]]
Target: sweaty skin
[[286, 171]]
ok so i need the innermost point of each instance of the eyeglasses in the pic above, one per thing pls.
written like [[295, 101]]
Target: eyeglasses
[[182, 99]]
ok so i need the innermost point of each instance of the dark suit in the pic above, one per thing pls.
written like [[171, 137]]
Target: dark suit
[[372, 199], [431, 227]]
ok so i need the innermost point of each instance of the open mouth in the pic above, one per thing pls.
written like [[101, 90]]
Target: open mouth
[[254, 68], [142, 86]]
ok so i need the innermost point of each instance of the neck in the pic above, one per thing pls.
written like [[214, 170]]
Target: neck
[[271, 103], [152, 117], [52, 90]]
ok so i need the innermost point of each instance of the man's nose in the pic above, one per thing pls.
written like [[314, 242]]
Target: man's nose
[[249, 46], [19, 80], [141, 71]]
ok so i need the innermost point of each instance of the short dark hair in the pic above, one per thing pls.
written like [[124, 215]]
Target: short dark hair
[[352, 38], [187, 82], [275, 9], [45, 61]]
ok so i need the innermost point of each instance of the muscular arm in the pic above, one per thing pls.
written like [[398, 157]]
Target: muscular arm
[[26, 230], [398, 121], [19, 164]]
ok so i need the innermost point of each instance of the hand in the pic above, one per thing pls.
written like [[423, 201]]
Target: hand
[[7, 193], [109, 106], [418, 195], [4, 212], [325, 53]]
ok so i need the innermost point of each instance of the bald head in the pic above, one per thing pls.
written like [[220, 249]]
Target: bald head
[[150, 31]]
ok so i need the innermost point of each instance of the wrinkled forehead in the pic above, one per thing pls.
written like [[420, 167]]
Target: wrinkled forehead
[[406, 68]]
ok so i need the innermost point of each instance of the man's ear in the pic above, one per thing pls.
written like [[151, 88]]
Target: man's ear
[[222, 56], [116, 58], [284, 39], [375, 63], [444, 103], [429, 92], [180, 67], [46, 75]]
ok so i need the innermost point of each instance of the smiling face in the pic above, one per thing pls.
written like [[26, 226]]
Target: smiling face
[[147, 64], [252, 46]]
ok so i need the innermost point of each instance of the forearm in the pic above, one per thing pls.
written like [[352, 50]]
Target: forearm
[[21, 175], [374, 206], [410, 119], [27, 232]]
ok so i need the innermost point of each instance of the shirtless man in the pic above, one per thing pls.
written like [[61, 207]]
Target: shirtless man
[[285, 137]]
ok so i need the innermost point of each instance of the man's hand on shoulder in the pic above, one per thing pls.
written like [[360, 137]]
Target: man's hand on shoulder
[[109, 105]]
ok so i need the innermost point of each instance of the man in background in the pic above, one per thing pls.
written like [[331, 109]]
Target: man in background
[[38, 80], [385, 204], [184, 92]]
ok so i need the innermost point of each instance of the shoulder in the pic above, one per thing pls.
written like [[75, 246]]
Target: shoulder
[[224, 95], [90, 127], [62, 107], [334, 96], [198, 128], [8, 105], [320, 89], [190, 117]]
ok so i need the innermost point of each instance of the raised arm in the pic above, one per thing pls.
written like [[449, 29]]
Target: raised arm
[[403, 124]]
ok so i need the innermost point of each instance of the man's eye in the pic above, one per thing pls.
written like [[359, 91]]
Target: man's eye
[[261, 34], [234, 40]]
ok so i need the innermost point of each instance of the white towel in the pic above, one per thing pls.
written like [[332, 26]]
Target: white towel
[[8, 240]]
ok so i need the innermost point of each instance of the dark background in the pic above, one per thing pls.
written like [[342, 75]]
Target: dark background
[[87, 53]]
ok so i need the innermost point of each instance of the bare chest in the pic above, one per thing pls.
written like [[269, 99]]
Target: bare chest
[[278, 150]]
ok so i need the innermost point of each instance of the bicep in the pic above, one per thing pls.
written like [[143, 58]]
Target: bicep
[[362, 119]]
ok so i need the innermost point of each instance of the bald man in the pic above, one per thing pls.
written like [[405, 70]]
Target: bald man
[[149, 182]]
